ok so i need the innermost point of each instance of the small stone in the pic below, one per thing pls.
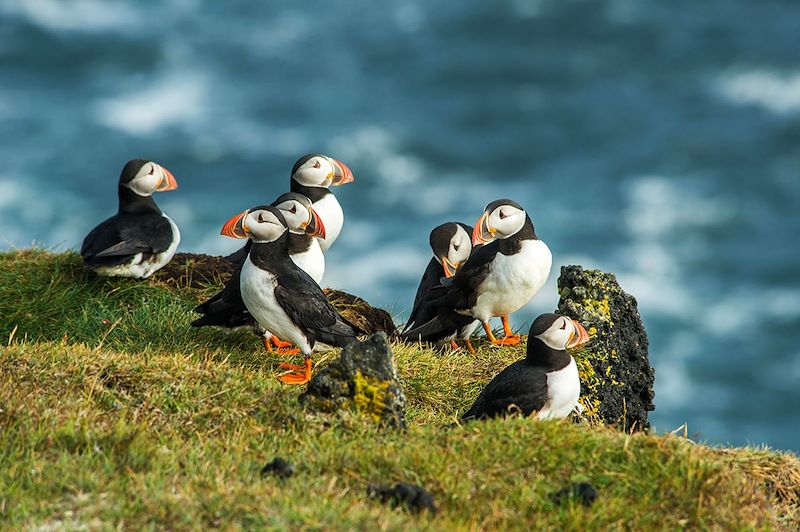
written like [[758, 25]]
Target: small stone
[[413, 497], [278, 468], [583, 492], [363, 379]]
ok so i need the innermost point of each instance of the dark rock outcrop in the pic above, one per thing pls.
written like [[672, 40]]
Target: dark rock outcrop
[[363, 379], [616, 377]]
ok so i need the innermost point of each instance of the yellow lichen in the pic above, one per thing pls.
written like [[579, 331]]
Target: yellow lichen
[[370, 396]]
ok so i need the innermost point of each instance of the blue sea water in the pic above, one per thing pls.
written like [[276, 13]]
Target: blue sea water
[[656, 140]]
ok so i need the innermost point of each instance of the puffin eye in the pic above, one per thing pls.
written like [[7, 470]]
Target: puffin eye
[[293, 210], [317, 164], [260, 218], [502, 214], [563, 325], [152, 170]]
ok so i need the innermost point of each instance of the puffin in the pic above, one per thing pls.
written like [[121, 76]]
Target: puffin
[[312, 175], [140, 239], [451, 243], [511, 265], [227, 309], [545, 383], [280, 296]]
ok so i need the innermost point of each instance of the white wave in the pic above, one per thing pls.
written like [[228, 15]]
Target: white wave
[[377, 149], [75, 15], [367, 273], [777, 93], [173, 99]]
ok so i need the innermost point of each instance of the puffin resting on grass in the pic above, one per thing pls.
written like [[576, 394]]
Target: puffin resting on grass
[[544, 384], [281, 297], [140, 239]]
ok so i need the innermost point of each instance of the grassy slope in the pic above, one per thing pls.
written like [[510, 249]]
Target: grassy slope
[[114, 412]]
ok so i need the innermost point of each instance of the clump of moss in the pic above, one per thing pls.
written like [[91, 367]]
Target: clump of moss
[[616, 377]]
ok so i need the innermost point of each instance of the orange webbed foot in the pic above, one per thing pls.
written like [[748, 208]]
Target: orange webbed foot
[[508, 340], [299, 376], [288, 350], [277, 342]]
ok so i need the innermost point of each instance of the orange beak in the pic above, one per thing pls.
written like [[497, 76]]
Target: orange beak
[[341, 174], [448, 267], [235, 227], [579, 335], [482, 233], [167, 182], [315, 226]]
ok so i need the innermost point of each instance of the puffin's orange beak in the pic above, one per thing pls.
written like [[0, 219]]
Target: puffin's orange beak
[[167, 182], [579, 335], [235, 227], [315, 227], [341, 174], [482, 233], [448, 267]]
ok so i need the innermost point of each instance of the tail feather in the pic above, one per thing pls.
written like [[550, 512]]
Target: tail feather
[[427, 330]]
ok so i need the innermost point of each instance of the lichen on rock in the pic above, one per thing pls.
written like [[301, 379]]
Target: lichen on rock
[[364, 380], [616, 377]]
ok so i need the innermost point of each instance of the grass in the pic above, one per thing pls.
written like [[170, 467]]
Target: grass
[[115, 414]]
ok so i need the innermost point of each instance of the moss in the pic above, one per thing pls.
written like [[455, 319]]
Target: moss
[[369, 396]]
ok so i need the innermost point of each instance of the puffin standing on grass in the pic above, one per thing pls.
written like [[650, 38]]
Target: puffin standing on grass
[[140, 239], [452, 245], [281, 297], [312, 175], [227, 309], [502, 275], [545, 383]]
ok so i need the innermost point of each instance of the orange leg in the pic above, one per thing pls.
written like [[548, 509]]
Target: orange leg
[[267, 345], [468, 343], [301, 376], [277, 342], [510, 338], [503, 341], [454, 346]]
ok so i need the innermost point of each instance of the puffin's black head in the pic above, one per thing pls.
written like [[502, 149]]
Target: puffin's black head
[[300, 216], [500, 219], [451, 246], [264, 223], [145, 177], [317, 170], [557, 332]]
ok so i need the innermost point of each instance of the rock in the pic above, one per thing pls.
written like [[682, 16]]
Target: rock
[[583, 492], [278, 468], [616, 377], [413, 497], [363, 379], [360, 313]]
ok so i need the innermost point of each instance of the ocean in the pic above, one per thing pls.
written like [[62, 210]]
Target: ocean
[[656, 140]]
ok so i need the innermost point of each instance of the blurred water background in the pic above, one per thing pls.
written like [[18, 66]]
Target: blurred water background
[[656, 140]]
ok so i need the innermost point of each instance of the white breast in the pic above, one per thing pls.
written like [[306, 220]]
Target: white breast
[[142, 268], [513, 280], [332, 217], [258, 293], [311, 261], [563, 390]]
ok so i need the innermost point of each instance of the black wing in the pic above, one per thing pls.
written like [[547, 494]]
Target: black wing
[[122, 236], [421, 313], [461, 291], [520, 384], [225, 308], [304, 302]]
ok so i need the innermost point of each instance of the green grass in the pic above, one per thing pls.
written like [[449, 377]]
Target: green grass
[[114, 413]]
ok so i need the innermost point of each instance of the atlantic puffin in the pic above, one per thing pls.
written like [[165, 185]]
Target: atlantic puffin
[[140, 239], [545, 383], [503, 274], [281, 297], [451, 243], [227, 309]]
